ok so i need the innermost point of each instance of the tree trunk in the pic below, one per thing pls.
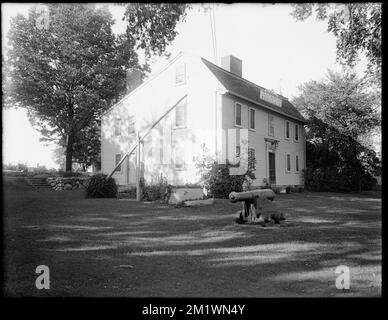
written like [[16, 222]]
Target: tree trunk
[[69, 152]]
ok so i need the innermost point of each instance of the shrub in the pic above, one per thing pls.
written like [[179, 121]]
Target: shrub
[[276, 189], [336, 161], [296, 189], [217, 180], [99, 187], [158, 191], [265, 185], [128, 193], [220, 184], [333, 179]]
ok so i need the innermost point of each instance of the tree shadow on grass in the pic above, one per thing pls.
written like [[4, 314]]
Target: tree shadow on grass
[[201, 251]]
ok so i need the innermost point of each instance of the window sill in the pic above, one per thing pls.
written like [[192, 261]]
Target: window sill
[[180, 127], [180, 84], [250, 129], [238, 126]]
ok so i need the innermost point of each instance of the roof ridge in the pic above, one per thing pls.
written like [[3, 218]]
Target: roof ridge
[[248, 90], [237, 76]]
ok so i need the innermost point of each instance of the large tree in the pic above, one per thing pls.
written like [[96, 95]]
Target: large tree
[[67, 72], [357, 27], [341, 112], [343, 101]]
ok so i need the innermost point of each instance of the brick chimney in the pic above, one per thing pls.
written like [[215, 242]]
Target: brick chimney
[[232, 64], [134, 79]]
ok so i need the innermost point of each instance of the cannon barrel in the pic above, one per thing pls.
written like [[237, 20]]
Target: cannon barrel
[[248, 195]]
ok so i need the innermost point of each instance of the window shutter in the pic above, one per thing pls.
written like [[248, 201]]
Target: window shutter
[[252, 120], [180, 74], [117, 160], [131, 125]]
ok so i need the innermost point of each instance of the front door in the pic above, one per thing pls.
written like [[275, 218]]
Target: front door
[[272, 170]]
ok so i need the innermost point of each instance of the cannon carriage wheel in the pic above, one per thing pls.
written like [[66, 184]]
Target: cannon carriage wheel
[[249, 201]]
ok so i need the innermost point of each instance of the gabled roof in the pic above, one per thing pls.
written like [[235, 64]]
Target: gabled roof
[[249, 91], [143, 84]]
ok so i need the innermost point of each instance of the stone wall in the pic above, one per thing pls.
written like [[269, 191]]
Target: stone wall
[[68, 183]]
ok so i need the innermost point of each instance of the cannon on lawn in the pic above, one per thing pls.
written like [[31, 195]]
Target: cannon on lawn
[[257, 207]]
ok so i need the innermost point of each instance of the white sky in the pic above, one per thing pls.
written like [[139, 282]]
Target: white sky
[[275, 49]]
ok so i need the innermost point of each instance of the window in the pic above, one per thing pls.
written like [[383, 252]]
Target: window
[[117, 160], [252, 124], [117, 127], [180, 115], [288, 162], [271, 128], [179, 158], [287, 129], [131, 125], [296, 132], [180, 74], [297, 163], [237, 114]]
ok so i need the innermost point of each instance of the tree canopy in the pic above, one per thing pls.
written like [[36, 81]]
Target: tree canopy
[[153, 25], [341, 113], [343, 101], [69, 71], [357, 27]]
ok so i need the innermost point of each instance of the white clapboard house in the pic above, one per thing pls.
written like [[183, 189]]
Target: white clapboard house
[[201, 102]]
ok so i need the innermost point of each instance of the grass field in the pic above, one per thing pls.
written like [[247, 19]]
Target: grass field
[[110, 247]]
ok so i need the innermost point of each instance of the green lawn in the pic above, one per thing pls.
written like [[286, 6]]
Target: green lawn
[[109, 247]]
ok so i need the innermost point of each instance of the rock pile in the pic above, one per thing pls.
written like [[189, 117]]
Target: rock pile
[[68, 183]]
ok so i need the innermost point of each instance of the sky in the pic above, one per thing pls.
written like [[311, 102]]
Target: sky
[[277, 51]]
